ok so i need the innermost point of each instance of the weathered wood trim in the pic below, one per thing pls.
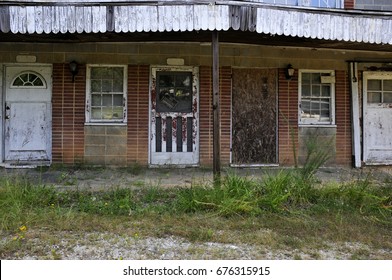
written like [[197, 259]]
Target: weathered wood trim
[[216, 107], [5, 19]]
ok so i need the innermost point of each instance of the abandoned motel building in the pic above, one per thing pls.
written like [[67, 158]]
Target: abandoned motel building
[[117, 83]]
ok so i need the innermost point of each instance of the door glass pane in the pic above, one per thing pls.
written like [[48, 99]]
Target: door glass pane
[[374, 97], [174, 92], [387, 97], [374, 84], [387, 85]]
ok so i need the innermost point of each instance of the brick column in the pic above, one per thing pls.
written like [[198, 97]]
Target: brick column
[[343, 118], [287, 118], [138, 114], [68, 114]]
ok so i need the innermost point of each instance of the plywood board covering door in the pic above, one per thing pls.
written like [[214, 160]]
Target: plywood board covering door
[[254, 126]]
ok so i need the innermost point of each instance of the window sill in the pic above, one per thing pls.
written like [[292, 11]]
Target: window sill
[[105, 124], [318, 125]]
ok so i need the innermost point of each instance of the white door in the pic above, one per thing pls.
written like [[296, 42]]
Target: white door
[[27, 133], [377, 124], [174, 116]]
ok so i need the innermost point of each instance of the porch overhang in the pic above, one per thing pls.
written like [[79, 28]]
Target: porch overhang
[[78, 20]]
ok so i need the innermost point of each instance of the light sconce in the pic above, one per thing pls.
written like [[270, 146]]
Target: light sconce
[[289, 72], [73, 68]]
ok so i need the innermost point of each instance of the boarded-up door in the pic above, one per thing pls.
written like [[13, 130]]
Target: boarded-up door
[[27, 135], [377, 124], [254, 117], [174, 116]]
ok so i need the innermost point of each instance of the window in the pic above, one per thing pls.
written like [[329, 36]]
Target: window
[[379, 91], [175, 92], [316, 94], [106, 94], [28, 80]]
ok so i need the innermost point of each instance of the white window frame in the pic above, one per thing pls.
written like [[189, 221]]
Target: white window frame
[[313, 121], [89, 119], [29, 86]]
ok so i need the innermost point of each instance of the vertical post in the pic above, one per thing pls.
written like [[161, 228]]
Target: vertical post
[[356, 137], [216, 108]]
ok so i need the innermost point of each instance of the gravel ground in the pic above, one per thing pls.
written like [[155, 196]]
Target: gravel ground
[[109, 246]]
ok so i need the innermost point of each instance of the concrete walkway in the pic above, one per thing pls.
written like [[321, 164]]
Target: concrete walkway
[[107, 178]]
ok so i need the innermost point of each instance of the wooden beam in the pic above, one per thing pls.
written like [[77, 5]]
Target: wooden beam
[[216, 108]]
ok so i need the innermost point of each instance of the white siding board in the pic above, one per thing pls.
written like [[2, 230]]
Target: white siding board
[[102, 14], [79, 19], [225, 17], [306, 25], [211, 17], [95, 19], [63, 19], [30, 19], [128, 19], [176, 18], [87, 19], [56, 20], [21, 17], [204, 18], [39, 21], [47, 19], [197, 17], [154, 19], [71, 19], [189, 18]]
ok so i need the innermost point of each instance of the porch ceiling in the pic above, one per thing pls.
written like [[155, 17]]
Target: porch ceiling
[[229, 36]]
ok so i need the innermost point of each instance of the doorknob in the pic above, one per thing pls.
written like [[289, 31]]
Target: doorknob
[[7, 107], [7, 117]]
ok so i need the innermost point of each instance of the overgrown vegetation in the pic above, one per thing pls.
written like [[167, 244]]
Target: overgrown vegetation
[[290, 205]]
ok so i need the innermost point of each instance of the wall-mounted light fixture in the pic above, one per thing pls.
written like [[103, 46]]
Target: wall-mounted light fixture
[[289, 72], [73, 68]]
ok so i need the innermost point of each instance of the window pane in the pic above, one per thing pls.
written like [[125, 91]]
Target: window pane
[[326, 90], [118, 73], [316, 90], [387, 85], [96, 73], [387, 97], [96, 100], [107, 86], [305, 107], [324, 103], [306, 78], [95, 85], [96, 113], [314, 106], [117, 100], [118, 85], [306, 90], [374, 97], [374, 84], [18, 82], [107, 100], [316, 78], [117, 112]]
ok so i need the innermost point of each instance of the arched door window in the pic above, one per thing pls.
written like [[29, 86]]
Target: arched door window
[[28, 80]]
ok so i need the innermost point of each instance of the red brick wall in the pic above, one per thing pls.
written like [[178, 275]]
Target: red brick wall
[[68, 114], [138, 114], [206, 114], [343, 118], [287, 118], [349, 4]]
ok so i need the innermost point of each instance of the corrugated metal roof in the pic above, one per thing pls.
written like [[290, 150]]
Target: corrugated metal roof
[[315, 24]]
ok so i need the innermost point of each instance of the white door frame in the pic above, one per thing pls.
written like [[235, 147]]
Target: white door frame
[[176, 158], [3, 91]]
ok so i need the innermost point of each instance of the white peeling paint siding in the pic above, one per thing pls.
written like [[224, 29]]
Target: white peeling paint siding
[[327, 25]]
